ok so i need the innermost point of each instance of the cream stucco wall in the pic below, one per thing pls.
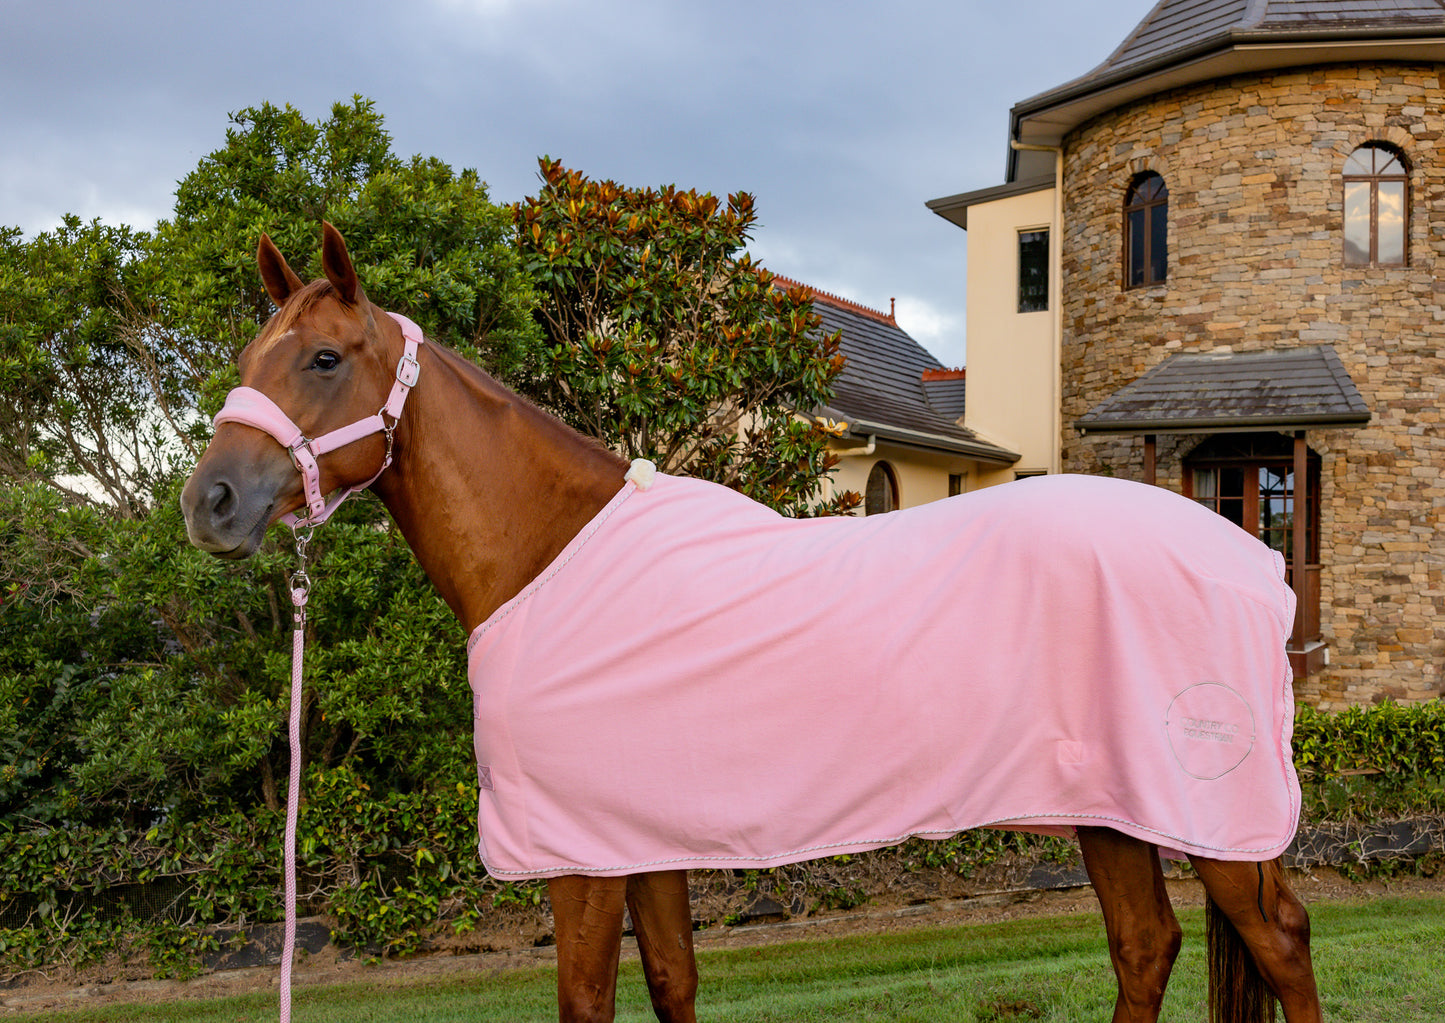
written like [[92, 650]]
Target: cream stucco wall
[[922, 476], [1013, 363]]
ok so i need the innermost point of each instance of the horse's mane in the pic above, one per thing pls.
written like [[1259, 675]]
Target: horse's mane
[[478, 377]]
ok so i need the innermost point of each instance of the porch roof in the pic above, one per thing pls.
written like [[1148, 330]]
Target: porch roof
[[1219, 391]]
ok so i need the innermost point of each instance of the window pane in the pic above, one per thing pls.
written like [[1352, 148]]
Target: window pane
[[1033, 271], [1231, 482], [1158, 242], [1357, 222], [879, 496], [1361, 161], [1390, 223], [1276, 500], [1231, 494], [1135, 223], [1148, 189], [1204, 489], [1233, 510]]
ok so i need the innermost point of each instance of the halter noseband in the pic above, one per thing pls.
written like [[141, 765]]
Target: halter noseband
[[250, 407]]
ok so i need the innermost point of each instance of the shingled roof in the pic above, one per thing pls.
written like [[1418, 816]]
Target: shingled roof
[[1175, 26], [1181, 42], [882, 391], [1224, 390]]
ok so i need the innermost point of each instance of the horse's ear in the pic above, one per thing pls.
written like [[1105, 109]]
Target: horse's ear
[[281, 282], [336, 263]]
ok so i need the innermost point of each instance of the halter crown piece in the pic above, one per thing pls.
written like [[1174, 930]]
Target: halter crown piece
[[250, 407]]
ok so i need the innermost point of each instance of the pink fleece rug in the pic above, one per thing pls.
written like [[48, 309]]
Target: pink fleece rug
[[697, 681]]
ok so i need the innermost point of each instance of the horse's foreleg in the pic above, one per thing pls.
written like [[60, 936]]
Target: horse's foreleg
[[587, 914], [1144, 935], [1273, 924], [662, 918]]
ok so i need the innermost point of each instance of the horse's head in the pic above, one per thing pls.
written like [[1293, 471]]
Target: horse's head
[[312, 382]]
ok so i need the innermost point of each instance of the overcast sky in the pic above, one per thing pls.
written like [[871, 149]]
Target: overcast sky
[[842, 118]]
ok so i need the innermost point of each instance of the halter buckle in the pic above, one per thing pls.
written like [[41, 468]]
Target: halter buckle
[[303, 443], [407, 370]]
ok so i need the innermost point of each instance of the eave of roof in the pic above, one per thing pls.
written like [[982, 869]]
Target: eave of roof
[[961, 442], [1221, 391], [954, 208]]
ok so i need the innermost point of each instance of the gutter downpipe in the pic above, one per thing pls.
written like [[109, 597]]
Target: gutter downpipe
[[1056, 297], [866, 449]]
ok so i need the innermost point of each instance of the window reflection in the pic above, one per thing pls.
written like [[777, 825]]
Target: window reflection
[[1375, 214], [1390, 222]]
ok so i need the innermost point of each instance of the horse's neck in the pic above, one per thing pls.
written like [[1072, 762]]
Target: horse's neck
[[486, 489]]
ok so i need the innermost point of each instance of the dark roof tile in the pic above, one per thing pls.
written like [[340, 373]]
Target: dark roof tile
[[1180, 26], [881, 390], [1221, 390]]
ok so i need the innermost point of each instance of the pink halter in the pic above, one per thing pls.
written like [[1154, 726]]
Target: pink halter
[[250, 407]]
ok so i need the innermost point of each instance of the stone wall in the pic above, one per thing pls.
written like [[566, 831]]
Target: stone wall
[[1255, 261]]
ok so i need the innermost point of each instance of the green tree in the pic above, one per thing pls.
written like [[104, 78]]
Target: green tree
[[159, 688], [79, 412], [426, 240], [666, 340]]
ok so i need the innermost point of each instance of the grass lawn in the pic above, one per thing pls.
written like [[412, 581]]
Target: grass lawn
[[1378, 960]]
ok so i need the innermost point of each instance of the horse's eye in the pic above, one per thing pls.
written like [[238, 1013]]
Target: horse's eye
[[326, 360]]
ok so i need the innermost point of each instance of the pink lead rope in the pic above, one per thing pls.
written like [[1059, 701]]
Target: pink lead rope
[[252, 408], [300, 587]]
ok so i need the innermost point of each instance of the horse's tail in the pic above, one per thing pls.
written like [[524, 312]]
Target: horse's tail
[[1237, 990]]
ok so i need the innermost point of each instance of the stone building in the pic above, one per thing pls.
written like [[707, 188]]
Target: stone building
[[1216, 264]]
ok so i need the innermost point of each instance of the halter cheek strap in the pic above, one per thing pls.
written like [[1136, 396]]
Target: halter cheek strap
[[250, 407]]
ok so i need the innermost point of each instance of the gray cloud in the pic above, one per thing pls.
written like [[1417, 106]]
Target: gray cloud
[[842, 118]]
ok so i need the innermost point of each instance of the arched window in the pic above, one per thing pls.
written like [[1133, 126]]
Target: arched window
[[1146, 231], [882, 493], [1376, 204]]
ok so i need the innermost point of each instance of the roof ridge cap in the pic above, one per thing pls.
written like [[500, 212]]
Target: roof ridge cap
[[789, 284]]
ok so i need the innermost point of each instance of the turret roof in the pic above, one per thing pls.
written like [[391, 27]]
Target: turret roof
[[1181, 42]]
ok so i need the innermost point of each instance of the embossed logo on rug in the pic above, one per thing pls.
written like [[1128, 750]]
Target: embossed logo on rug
[[1211, 730]]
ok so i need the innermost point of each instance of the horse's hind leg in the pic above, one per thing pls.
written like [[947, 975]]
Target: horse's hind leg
[[1273, 924], [587, 914], [662, 918], [1144, 935]]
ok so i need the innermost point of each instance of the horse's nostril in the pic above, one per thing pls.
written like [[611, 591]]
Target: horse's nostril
[[222, 500]]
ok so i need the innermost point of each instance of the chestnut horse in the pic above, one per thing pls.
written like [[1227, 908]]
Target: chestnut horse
[[487, 490]]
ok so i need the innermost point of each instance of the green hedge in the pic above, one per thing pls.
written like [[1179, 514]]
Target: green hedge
[[389, 866], [1381, 762]]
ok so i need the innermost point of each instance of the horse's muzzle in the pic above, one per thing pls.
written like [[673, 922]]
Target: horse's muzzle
[[226, 517]]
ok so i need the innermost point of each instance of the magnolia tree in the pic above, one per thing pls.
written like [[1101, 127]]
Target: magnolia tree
[[666, 340]]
